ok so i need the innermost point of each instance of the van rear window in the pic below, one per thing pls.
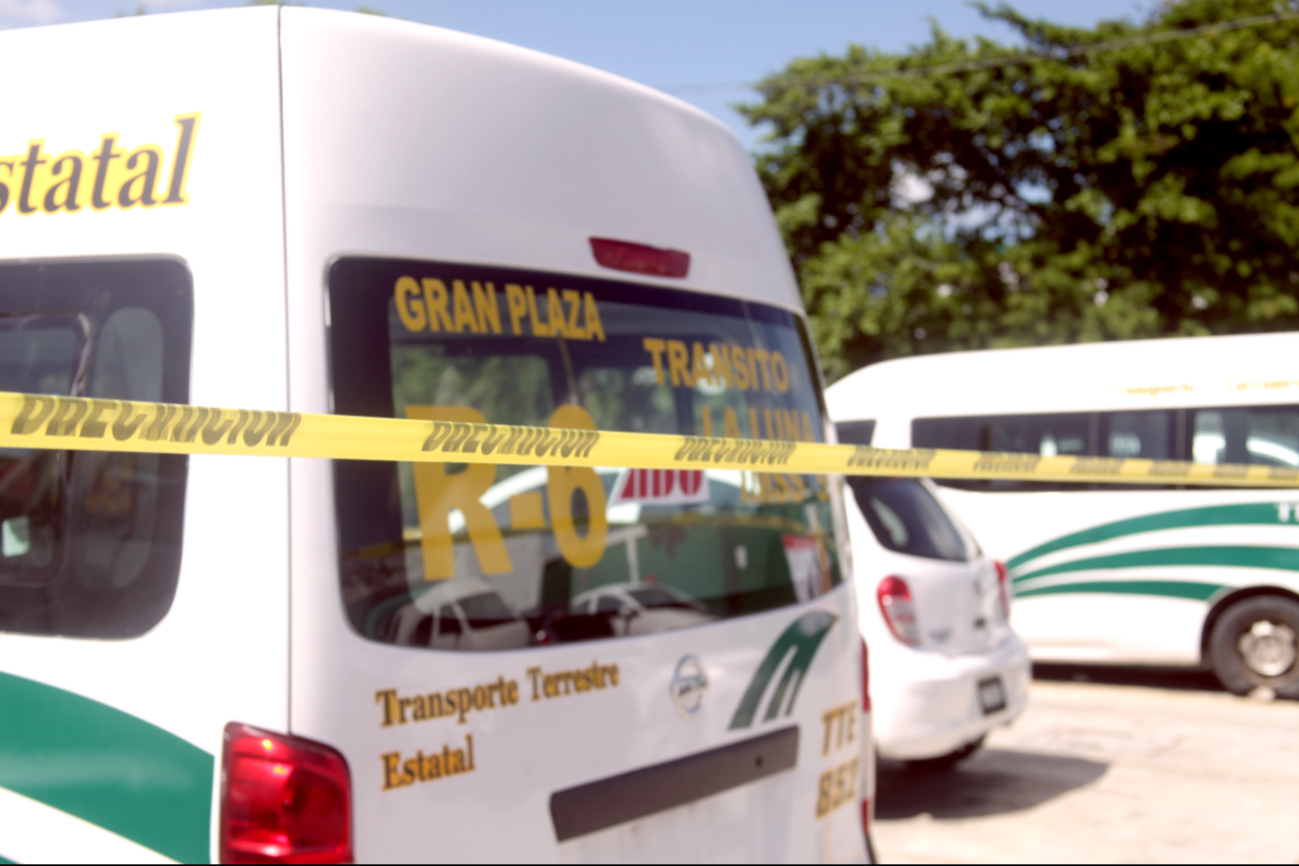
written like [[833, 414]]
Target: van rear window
[[511, 556], [90, 541]]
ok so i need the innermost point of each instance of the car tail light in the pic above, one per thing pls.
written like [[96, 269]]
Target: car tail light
[[283, 800], [899, 613], [639, 258], [1004, 589], [866, 822], [865, 678]]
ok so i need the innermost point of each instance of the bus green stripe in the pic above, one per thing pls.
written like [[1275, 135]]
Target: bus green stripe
[[1214, 515], [1242, 556], [1164, 588], [106, 767]]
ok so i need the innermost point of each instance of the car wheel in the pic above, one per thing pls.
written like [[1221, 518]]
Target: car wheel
[[946, 762], [1255, 643]]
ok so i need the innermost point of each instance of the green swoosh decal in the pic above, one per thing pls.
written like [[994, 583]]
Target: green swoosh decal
[[1242, 556], [802, 638], [106, 767], [1214, 515], [1165, 588]]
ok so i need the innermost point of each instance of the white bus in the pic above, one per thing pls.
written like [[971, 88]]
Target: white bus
[[293, 660], [1149, 574]]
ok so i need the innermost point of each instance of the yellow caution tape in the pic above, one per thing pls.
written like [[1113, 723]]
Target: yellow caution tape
[[81, 424]]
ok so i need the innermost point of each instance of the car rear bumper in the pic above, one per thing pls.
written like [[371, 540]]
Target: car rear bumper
[[939, 710]]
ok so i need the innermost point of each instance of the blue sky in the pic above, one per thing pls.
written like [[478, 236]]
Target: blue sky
[[669, 44]]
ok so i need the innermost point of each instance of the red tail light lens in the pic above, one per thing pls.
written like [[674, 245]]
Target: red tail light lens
[[865, 678], [899, 613], [1004, 589], [640, 259], [283, 800]]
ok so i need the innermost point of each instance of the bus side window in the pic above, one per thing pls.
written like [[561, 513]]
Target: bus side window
[[1064, 434], [1266, 435], [1147, 434]]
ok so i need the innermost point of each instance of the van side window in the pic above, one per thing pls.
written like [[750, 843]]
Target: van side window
[[90, 541], [1266, 435]]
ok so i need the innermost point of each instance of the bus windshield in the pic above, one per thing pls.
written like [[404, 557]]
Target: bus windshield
[[474, 557]]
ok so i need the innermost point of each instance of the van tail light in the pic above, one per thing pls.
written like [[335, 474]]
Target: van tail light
[[639, 258], [899, 612], [1004, 589], [283, 800], [865, 678]]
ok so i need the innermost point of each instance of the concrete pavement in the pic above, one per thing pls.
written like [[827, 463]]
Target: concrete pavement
[[1116, 771]]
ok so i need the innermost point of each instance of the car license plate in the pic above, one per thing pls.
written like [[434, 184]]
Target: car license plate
[[992, 696]]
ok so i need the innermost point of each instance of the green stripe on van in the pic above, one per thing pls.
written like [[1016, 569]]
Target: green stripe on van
[[1242, 556], [1213, 515], [106, 767], [1164, 588]]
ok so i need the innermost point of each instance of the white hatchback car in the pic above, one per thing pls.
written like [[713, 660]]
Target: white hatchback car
[[945, 665]]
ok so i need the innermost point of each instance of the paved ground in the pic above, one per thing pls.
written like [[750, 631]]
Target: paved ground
[[1109, 766]]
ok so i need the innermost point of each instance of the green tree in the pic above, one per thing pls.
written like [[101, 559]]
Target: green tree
[[1130, 180]]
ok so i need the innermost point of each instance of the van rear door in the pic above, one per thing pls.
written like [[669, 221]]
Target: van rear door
[[587, 664]]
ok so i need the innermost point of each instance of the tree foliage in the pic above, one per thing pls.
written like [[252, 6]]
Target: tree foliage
[[1094, 191]]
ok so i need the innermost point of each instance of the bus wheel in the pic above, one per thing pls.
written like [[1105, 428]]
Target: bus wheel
[[1256, 643]]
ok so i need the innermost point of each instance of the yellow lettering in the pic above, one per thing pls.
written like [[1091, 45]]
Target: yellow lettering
[[562, 481], [656, 349], [740, 369], [678, 361], [762, 356], [730, 424], [539, 329], [526, 511], [435, 299], [555, 314], [410, 308], [593, 326], [391, 774], [464, 311], [437, 493], [721, 364], [574, 300], [518, 304], [779, 372], [489, 315]]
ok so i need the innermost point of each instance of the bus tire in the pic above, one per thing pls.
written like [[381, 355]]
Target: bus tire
[[1255, 644]]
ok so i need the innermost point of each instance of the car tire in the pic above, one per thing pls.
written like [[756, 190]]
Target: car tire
[[943, 763], [1255, 644]]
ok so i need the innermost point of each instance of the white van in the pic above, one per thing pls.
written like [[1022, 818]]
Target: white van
[[1135, 574], [274, 660]]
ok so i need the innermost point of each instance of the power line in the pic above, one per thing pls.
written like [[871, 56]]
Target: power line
[[1063, 53]]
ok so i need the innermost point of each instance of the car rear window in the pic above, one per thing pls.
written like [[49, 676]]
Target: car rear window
[[469, 343], [906, 518], [90, 541]]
